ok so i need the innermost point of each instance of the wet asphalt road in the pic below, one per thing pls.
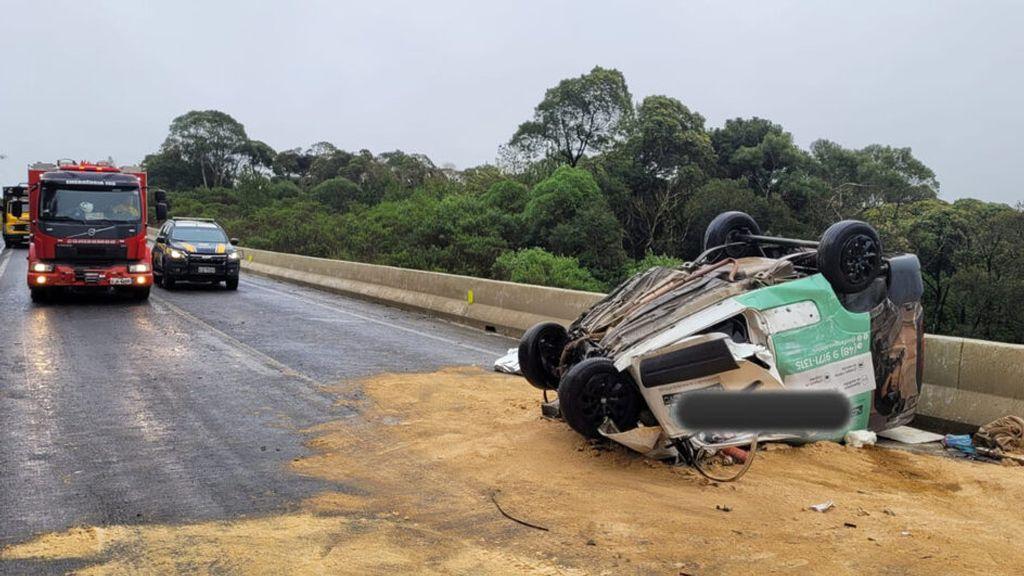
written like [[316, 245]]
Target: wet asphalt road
[[188, 407]]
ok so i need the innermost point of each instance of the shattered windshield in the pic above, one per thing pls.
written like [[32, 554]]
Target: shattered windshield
[[90, 205]]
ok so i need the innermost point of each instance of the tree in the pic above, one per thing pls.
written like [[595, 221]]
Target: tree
[[577, 116], [338, 193], [567, 215], [669, 156], [167, 169], [211, 140], [856, 180], [259, 156], [757, 150]]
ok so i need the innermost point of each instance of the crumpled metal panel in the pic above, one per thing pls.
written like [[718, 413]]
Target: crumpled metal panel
[[897, 334], [653, 301]]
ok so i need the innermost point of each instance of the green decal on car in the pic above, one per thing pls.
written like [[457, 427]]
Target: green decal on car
[[834, 352]]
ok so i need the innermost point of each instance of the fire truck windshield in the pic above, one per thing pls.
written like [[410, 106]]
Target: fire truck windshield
[[90, 205]]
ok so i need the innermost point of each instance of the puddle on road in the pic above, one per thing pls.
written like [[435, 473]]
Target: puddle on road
[[432, 449]]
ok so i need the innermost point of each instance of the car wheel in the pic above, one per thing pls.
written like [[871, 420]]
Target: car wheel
[[594, 390], [231, 283], [724, 229], [850, 256], [540, 353], [167, 282]]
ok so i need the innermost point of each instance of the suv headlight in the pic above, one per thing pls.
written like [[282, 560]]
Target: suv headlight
[[233, 256], [176, 254], [138, 268], [42, 267]]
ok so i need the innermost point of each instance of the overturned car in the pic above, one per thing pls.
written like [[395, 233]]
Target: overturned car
[[752, 312]]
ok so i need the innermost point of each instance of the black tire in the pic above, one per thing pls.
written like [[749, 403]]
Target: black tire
[[540, 353], [141, 294], [850, 256], [167, 282], [594, 390], [39, 295], [231, 283], [723, 229]]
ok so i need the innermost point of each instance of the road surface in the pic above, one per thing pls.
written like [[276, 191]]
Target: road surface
[[189, 406]]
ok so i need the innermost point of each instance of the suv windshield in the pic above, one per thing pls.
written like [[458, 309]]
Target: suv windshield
[[198, 234], [90, 206]]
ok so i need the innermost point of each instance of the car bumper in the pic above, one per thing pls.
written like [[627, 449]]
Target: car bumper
[[89, 277], [201, 271]]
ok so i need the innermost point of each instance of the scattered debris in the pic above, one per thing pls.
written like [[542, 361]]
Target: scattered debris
[[509, 363], [823, 507], [723, 508], [860, 438], [997, 453], [961, 442], [849, 525], [591, 542], [1005, 434], [514, 519], [889, 512], [910, 435]]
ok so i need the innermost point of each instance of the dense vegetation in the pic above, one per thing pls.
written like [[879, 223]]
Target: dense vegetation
[[592, 188]]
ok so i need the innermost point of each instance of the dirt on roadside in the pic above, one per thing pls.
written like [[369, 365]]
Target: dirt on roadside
[[433, 454]]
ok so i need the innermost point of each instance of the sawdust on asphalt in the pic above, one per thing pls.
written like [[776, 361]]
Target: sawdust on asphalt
[[433, 452]]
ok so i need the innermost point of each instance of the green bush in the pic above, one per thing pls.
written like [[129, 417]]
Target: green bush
[[538, 266], [650, 261]]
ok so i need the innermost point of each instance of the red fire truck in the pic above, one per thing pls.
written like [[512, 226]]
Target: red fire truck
[[88, 229]]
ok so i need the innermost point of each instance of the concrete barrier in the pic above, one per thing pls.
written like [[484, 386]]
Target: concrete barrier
[[504, 307], [965, 381], [971, 381]]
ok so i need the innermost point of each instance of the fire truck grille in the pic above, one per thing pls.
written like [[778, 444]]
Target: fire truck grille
[[94, 252]]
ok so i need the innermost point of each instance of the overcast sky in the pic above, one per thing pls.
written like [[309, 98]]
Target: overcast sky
[[453, 79]]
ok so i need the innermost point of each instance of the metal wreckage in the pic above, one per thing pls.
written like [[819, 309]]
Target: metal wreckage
[[751, 313]]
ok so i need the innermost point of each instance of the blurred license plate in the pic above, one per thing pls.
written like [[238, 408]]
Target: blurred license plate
[[120, 281], [206, 270]]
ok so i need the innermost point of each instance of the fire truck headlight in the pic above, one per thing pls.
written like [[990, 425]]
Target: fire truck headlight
[[138, 268], [176, 254], [42, 267]]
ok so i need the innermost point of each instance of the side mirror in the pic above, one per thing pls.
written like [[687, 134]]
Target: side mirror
[[161, 238], [234, 241], [161, 211], [161, 196], [16, 209]]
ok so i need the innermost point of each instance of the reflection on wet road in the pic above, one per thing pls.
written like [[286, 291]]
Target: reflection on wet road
[[189, 406]]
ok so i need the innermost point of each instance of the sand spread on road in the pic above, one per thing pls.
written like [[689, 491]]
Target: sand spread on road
[[430, 451]]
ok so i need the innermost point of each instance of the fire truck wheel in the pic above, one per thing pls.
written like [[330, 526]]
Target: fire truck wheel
[[141, 295], [40, 295]]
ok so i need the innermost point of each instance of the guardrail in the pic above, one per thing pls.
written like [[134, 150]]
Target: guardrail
[[965, 381]]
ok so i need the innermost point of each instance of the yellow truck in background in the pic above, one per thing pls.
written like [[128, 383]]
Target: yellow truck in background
[[15, 229]]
